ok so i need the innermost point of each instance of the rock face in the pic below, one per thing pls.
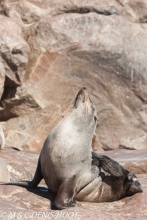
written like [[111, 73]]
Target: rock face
[[98, 44], [4, 173], [2, 138], [37, 203], [13, 61]]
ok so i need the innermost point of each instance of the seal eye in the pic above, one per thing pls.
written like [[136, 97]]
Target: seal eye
[[95, 118]]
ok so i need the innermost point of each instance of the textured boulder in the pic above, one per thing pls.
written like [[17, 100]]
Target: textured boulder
[[135, 9], [2, 138], [37, 203], [97, 44], [21, 165], [4, 173], [29, 11], [13, 61]]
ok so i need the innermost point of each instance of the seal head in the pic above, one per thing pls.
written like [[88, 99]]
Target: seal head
[[133, 185]]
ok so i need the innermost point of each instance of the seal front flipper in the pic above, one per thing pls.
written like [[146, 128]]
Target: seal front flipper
[[109, 165], [30, 184], [65, 196]]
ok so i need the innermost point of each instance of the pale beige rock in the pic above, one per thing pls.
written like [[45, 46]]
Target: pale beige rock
[[4, 173], [13, 60], [2, 138], [37, 203], [14, 50], [108, 66], [31, 11], [2, 78], [97, 44], [136, 9]]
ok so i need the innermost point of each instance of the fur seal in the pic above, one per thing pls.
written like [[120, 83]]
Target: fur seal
[[66, 162], [114, 182]]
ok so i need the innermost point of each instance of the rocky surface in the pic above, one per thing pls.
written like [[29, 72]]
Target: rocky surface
[[13, 58], [17, 202], [4, 173], [98, 44], [48, 50], [2, 138]]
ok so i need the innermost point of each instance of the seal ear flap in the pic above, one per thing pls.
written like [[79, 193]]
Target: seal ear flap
[[130, 176], [133, 184], [95, 119]]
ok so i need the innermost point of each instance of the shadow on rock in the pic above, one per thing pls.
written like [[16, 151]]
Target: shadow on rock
[[45, 193]]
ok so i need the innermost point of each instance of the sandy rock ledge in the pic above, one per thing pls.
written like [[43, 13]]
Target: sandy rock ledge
[[17, 202]]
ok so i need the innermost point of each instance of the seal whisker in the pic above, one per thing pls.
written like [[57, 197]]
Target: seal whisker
[[71, 105]]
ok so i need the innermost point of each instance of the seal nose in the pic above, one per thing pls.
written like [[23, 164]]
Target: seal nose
[[83, 90], [82, 96], [83, 93], [137, 183]]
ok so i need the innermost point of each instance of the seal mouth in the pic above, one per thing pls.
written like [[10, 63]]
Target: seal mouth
[[81, 97], [83, 101]]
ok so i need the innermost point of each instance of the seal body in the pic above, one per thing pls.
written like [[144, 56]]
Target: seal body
[[66, 154], [116, 182], [67, 149], [69, 167]]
